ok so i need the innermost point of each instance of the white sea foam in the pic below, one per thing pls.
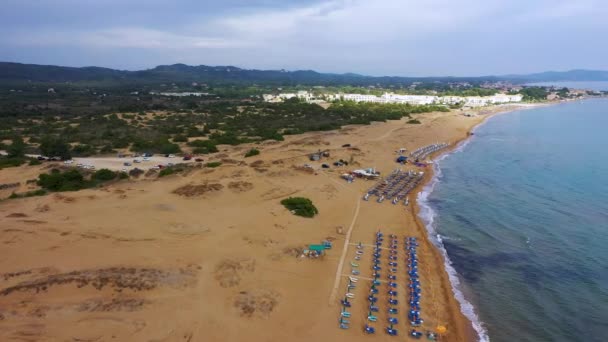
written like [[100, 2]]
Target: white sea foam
[[427, 215]]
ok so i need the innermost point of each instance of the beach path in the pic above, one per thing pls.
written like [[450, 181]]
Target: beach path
[[334, 290]]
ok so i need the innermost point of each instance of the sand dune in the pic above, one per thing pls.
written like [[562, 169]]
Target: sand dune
[[211, 255]]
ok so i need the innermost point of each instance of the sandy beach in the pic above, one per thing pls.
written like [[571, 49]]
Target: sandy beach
[[211, 254]]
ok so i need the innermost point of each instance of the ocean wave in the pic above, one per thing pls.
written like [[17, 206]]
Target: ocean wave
[[427, 215]]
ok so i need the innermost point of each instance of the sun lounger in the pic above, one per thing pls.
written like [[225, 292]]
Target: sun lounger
[[369, 329], [391, 331], [353, 264], [350, 295], [344, 326], [393, 320], [393, 311], [372, 318], [353, 279], [345, 314], [355, 272]]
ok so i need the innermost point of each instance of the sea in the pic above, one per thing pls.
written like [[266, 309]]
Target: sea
[[520, 212]]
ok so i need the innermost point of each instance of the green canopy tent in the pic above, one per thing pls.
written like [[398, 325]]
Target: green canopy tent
[[317, 248]]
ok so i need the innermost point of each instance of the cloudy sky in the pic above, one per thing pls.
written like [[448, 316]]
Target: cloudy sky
[[376, 37]]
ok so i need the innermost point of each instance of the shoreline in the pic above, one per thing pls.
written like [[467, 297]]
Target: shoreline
[[469, 325], [144, 223]]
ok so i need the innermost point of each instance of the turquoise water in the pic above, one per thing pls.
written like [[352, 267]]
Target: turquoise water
[[522, 211]]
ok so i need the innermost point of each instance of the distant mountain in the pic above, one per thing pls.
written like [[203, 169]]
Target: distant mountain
[[180, 73]]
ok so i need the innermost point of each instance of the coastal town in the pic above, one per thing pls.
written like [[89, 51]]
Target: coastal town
[[388, 98]]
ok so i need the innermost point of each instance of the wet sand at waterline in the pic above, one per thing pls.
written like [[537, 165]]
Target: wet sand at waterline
[[211, 254]]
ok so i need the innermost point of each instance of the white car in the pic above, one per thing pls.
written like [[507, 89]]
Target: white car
[[124, 170], [68, 161], [155, 168], [172, 156], [146, 158]]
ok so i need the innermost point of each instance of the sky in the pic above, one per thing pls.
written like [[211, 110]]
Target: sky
[[372, 37]]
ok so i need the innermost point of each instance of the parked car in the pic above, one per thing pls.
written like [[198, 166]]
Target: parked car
[[127, 164], [136, 161], [325, 166], [187, 157], [41, 158], [146, 158], [346, 145], [198, 159]]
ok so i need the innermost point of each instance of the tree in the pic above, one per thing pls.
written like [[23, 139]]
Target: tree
[[55, 147], [17, 148]]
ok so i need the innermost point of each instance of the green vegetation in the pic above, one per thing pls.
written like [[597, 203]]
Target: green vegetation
[[81, 122], [104, 175], [33, 193], [252, 152], [10, 162], [73, 180], [213, 164], [35, 162], [55, 147], [300, 206], [413, 121], [534, 93], [203, 146]]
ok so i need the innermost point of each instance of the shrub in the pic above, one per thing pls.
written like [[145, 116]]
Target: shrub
[[213, 164], [123, 175], [414, 121], [180, 138], [300, 206], [252, 152], [203, 146], [104, 175], [71, 180], [35, 162], [10, 162], [33, 193], [82, 150], [55, 147], [136, 172], [166, 171]]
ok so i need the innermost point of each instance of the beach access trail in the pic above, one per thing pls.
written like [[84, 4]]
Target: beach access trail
[[334, 290]]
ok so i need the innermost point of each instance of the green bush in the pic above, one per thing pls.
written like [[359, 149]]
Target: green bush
[[203, 146], [213, 164], [123, 175], [10, 162], [252, 152], [166, 171], [35, 162], [55, 147], [300, 206], [104, 175], [414, 121], [33, 193], [71, 180], [82, 150], [180, 138]]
